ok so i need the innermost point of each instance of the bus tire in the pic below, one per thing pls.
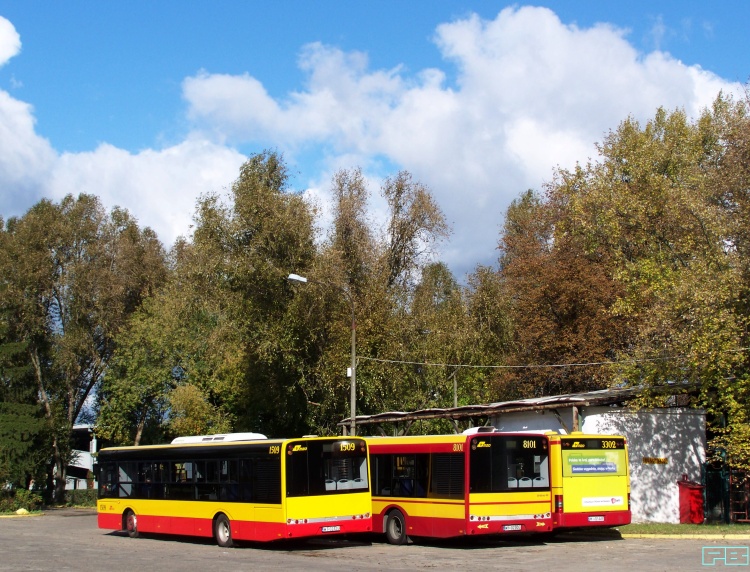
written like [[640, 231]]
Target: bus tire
[[131, 523], [395, 528], [223, 531]]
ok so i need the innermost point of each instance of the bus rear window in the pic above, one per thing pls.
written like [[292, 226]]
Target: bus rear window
[[326, 467], [507, 463]]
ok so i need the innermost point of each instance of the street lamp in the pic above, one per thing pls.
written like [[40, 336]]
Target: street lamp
[[348, 294]]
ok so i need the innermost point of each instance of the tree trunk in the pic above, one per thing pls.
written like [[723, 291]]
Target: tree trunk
[[60, 475], [139, 429], [58, 463]]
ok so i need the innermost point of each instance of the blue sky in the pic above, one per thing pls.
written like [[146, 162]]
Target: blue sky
[[151, 104]]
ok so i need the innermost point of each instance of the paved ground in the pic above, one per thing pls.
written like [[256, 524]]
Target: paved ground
[[70, 540]]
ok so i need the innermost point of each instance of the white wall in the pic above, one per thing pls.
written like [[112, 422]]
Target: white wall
[[675, 434]]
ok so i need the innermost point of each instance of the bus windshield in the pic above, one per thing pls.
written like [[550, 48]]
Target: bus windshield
[[326, 467], [506, 462]]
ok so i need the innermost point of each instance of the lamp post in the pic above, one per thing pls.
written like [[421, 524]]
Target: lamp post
[[348, 294]]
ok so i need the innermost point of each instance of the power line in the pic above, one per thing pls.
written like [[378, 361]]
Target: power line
[[535, 366], [529, 366]]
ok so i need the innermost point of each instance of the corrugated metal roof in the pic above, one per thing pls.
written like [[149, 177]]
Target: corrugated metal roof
[[609, 396]]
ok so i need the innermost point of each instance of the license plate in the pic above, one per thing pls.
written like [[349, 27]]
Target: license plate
[[330, 529], [596, 519], [511, 527]]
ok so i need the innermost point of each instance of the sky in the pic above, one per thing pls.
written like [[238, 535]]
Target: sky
[[151, 105]]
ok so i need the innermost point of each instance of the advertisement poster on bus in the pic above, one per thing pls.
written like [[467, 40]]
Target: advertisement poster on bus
[[594, 463]]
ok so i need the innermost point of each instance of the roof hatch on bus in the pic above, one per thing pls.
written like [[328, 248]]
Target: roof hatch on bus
[[226, 437]]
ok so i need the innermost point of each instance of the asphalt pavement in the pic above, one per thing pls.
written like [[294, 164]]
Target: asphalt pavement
[[68, 539]]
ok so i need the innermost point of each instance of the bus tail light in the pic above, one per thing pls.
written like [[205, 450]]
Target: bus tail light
[[628, 501], [559, 503]]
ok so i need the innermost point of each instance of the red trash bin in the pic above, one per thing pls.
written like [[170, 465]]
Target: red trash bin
[[691, 501]]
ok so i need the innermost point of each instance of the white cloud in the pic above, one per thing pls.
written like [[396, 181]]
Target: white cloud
[[159, 188], [530, 93], [518, 95], [10, 41], [25, 157], [237, 104]]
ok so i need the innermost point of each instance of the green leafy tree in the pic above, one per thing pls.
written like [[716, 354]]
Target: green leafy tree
[[416, 223], [24, 438], [73, 274], [372, 272], [661, 215], [214, 349], [24, 445]]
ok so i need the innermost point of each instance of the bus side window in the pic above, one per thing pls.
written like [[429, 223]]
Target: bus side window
[[383, 474], [246, 480], [108, 486], [228, 477], [127, 476], [181, 485], [422, 475], [403, 477]]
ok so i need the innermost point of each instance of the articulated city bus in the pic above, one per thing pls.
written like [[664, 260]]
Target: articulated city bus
[[237, 487], [590, 480], [445, 486]]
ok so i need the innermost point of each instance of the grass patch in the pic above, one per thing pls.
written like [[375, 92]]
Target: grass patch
[[661, 528]]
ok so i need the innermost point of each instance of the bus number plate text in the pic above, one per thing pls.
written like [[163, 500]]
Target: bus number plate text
[[511, 527], [330, 529], [596, 519]]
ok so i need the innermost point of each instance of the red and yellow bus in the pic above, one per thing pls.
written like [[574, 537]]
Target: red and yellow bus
[[590, 480], [236, 489], [445, 486]]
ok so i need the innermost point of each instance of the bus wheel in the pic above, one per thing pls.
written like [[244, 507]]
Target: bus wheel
[[395, 528], [131, 523], [223, 531]]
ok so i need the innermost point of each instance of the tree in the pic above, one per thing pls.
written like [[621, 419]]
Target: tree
[[133, 395], [73, 275], [214, 349], [24, 439], [441, 331], [352, 240], [374, 270], [562, 299], [663, 209], [24, 444], [415, 224]]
